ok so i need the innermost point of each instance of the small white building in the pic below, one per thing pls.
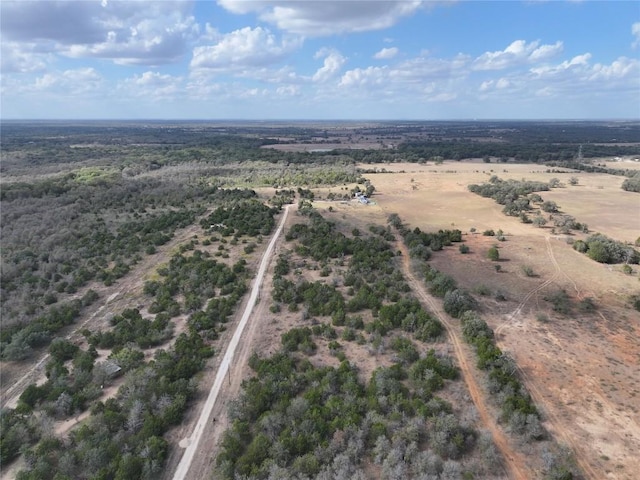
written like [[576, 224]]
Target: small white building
[[361, 197]]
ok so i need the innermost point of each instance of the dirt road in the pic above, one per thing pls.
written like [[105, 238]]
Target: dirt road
[[514, 460], [192, 443]]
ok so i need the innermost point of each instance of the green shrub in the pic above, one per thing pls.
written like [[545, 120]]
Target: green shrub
[[560, 301], [528, 271], [456, 302]]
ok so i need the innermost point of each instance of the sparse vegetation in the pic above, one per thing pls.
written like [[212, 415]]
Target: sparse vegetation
[[92, 215], [632, 184], [560, 301], [528, 271]]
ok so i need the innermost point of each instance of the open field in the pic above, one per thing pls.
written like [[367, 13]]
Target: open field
[[436, 196], [583, 369]]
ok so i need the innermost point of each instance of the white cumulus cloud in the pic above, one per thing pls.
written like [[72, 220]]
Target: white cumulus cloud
[[577, 62], [73, 82], [247, 47], [22, 58], [517, 53], [619, 69], [153, 85], [333, 63], [327, 17], [635, 31], [288, 91], [364, 76], [386, 53], [141, 33]]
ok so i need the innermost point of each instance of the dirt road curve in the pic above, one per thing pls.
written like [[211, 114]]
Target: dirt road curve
[[514, 460], [193, 442]]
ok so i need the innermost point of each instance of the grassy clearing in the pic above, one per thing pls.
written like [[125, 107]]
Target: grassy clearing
[[436, 196]]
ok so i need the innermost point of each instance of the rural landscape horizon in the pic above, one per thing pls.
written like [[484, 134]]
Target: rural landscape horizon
[[320, 299], [319, 240]]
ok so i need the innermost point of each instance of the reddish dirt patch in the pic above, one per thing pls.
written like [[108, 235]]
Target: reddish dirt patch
[[582, 368]]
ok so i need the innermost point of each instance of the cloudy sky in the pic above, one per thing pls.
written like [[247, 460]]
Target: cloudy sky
[[320, 59]]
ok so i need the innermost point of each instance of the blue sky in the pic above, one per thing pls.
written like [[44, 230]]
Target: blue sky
[[314, 59]]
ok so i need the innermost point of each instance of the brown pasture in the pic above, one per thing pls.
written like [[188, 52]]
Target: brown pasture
[[583, 369], [413, 190]]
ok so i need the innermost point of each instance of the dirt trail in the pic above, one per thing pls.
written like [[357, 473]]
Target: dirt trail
[[223, 376], [518, 310], [514, 460]]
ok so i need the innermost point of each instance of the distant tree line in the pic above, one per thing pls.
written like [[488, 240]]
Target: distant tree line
[[520, 152]]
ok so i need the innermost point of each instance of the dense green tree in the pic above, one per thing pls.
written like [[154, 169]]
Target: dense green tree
[[493, 254]]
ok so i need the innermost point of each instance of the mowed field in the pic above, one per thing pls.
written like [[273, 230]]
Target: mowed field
[[582, 368]]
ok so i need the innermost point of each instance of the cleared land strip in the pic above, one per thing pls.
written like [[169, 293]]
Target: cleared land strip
[[540, 400], [513, 315], [515, 462], [196, 436]]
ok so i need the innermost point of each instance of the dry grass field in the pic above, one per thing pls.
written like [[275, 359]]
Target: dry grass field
[[441, 190], [583, 369]]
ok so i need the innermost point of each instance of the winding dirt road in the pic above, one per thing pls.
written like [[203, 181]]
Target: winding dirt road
[[514, 460], [193, 442]]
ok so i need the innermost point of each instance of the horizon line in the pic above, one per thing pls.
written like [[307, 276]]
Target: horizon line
[[323, 120]]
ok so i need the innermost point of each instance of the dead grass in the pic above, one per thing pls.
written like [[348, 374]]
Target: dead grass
[[582, 369], [436, 196]]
